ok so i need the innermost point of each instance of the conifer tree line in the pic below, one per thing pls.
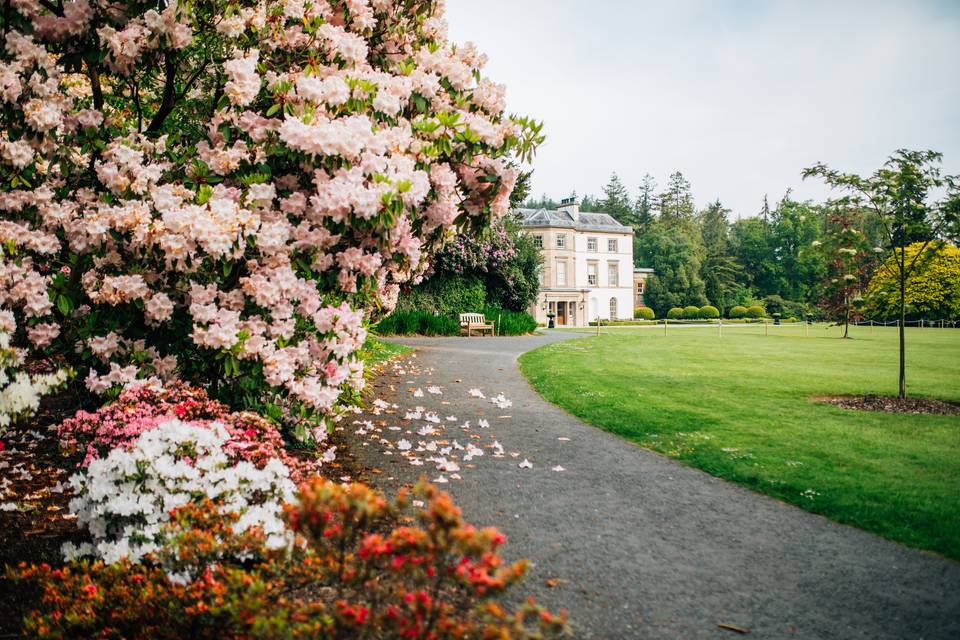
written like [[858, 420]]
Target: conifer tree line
[[795, 258]]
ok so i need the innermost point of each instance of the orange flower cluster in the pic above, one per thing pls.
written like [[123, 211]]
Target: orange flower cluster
[[365, 566]]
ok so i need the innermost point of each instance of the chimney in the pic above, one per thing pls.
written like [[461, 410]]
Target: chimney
[[571, 206]]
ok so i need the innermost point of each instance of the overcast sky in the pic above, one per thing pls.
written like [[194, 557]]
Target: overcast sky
[[739, 95]]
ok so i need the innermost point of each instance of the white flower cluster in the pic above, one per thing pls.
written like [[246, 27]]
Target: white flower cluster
[[125, 499], [20, 392]]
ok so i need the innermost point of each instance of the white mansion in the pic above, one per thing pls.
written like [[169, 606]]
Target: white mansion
[[587, 265]]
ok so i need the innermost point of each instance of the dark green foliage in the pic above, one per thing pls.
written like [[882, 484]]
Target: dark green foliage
[[418, 322], [690, 312], [616, 201], [404, 323], [786, 308], [720, 270], [676, 202], [756, 311], [446, 296], [510, 323], [644, 313], [709, 312], [503, 260], [672, 250], [738, 312]]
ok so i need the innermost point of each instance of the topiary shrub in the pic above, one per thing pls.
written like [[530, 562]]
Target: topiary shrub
[[756, 311], [644, 313], [709, 312], [675, 313], [690, 312], [738, 311]]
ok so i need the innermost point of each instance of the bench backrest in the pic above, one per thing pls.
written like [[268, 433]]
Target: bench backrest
[[472, 318]]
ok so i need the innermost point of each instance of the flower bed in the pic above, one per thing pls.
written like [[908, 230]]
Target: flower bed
[[91, 435]]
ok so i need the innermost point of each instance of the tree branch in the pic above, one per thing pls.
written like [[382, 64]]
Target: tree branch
[[169, 93]]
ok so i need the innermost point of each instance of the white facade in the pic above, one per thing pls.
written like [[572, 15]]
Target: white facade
[[587, 265], [611, 289]]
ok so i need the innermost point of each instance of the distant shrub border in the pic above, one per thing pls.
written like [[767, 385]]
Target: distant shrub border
[[690, 312], [643, 313], [756, 311], [675, 313]]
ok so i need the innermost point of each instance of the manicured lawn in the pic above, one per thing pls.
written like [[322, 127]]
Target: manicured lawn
[[738, 407]]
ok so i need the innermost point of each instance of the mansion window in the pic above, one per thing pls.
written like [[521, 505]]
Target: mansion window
[[538, 242], [540, 276], [592, 245], [640, 286], [613, 272], [561, 241], [561, 273], [592, 274], [612, 245], [613, 308]]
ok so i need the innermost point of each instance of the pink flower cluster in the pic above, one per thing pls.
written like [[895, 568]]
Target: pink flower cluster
[[260, 208], [88, 436]]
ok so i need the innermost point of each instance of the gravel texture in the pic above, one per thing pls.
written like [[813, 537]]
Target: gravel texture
[[636, 545]]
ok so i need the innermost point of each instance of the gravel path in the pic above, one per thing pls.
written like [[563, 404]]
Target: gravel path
[[640, 546]]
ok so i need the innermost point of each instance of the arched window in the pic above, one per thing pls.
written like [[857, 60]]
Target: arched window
[[613, 308]]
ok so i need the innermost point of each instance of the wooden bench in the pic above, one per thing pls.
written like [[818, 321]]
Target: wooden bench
[[475, 322]]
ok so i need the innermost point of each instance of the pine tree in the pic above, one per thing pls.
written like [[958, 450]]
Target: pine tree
[[643, 207], [719, 269], [616, 201], [676, 202]]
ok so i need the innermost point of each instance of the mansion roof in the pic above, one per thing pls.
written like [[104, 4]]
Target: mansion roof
[[583, 222]]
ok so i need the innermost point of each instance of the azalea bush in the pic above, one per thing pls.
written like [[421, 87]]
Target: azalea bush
[[125, 498], [88, 436], [21, 390], [367, 567], [223, 191]]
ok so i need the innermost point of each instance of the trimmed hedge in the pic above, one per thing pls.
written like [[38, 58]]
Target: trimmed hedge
[[709, 312], [756, 311], [644, 313], [691, 312], [405, 323], [738, 311], [675, 313]]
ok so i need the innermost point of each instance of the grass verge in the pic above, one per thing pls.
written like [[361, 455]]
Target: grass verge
[[738, 407]]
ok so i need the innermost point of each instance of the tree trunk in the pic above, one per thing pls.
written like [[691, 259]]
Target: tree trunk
[[903, 317], [846, 316]]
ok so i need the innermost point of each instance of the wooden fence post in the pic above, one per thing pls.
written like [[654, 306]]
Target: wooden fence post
[[664, 326]]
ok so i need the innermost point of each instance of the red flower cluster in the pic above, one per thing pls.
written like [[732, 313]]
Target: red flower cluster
[[357, 574]]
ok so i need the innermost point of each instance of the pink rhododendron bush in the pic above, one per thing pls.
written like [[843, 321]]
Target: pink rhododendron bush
[[89, 436], [225, 192]]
